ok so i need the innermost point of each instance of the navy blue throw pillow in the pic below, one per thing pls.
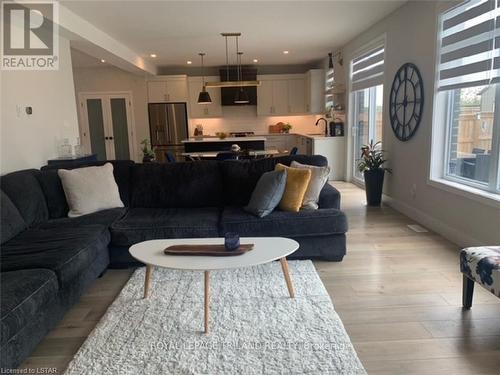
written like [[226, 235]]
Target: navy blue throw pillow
[[267, 193]]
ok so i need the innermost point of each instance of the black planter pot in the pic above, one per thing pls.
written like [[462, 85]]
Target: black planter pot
[[374, 182]]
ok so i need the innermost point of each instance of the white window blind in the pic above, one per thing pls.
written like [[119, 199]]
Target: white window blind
[[367, 70], [470, 45], [329, 89]]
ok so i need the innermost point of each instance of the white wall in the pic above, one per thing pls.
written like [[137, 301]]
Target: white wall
[[411, 34], [28, 141], [113, 79]]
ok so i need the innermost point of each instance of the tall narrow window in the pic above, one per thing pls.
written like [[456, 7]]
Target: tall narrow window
[[468, 93], [367, 74]]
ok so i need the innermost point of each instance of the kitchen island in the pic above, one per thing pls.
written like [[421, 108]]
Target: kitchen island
[[217, 144], [333, 148]]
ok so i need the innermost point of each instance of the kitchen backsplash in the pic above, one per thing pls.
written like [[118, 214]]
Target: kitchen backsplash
[[245, 118]]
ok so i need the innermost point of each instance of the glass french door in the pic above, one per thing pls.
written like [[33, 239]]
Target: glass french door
[[106, 127], [367, 122]]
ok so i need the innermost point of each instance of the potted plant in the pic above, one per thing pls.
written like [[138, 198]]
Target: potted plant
[[286, 128], [148, 154], [371, 165]]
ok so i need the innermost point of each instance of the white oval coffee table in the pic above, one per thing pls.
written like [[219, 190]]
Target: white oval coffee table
[[266, 249]]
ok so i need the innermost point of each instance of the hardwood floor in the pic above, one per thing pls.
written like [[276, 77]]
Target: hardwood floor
[[397, 291]]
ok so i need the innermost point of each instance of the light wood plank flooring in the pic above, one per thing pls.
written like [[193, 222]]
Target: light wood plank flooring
[[398, 293]]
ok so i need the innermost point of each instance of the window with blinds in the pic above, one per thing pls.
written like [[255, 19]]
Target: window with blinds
[[367, 70], [467, 120], [329, 89], [469, 45]]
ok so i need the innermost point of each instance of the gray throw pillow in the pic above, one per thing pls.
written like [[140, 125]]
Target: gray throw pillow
[[90, 189], [267, 193], [319, 177]]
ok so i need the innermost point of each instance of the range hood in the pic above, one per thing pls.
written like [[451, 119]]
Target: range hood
[[230, 86]]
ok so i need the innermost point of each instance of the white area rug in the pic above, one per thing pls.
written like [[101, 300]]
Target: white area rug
[[256, 327]]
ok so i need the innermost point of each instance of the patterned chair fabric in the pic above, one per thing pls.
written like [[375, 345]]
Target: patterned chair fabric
[[482, 265]]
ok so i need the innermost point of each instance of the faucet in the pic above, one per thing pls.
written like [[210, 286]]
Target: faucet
[[326, 125]]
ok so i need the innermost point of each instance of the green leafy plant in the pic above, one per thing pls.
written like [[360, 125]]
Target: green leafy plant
[[372, 157], [147, 151], [286, 128], [221, 135]]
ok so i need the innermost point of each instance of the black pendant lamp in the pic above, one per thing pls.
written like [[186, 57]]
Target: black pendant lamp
[[241, 96], [204, 96]]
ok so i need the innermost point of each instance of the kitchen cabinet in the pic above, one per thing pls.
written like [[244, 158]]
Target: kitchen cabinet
[[291, 94], [296, 96], [196, 110], [280, 95], [265, 98], [168, 89], [272, 97], [315, 91], [304, 145], [333, 149], [278, 142]]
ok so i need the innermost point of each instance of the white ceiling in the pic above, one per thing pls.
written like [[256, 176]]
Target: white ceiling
[[177, 31]]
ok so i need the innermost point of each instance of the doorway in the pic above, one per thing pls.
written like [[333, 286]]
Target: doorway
[[106, 125], [367, 120]]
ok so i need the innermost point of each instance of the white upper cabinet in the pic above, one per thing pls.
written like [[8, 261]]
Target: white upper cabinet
[[296, 96], [265, 98], [280, 97], [204, 110], [168, 89], [283, 94], [315, 91]]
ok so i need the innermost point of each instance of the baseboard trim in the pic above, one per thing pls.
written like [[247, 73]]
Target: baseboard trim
[[458, 237]]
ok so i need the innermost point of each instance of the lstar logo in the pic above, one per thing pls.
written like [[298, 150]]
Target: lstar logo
[[29, 35]]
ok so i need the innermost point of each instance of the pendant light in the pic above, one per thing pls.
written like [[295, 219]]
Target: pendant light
[[228, 82], [204, 96], [241, 96]]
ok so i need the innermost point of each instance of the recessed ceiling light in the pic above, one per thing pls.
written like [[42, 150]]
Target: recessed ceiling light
[[103, 61], [153, 55], [189, 62], [286, 52], [255, 60]]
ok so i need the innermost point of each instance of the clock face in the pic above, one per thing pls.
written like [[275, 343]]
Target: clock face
[[406, 101]]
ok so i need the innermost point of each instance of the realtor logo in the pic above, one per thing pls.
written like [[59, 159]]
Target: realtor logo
[[29, 35]]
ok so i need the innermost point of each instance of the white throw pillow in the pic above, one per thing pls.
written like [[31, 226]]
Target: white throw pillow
[[90, 189], [319, 176]]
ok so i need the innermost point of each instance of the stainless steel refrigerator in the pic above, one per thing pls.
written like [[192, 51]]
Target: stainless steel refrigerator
[[168, 126]]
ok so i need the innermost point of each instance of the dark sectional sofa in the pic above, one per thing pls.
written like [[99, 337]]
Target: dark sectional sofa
[[48, 260]]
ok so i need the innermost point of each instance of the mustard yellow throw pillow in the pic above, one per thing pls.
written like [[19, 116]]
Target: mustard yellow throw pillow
[[297, 182]]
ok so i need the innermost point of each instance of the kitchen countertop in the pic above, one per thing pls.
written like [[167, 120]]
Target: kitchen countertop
[[308, 135], [227, 139], [258, 137]]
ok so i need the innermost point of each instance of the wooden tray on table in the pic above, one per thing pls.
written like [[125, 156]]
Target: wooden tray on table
[[210, 250]]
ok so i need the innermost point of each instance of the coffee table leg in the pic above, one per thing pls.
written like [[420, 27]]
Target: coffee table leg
[[147, 283], [286, 273], [207, 301]]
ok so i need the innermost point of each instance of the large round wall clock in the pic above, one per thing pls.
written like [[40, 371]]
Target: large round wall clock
[[406, 101]]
